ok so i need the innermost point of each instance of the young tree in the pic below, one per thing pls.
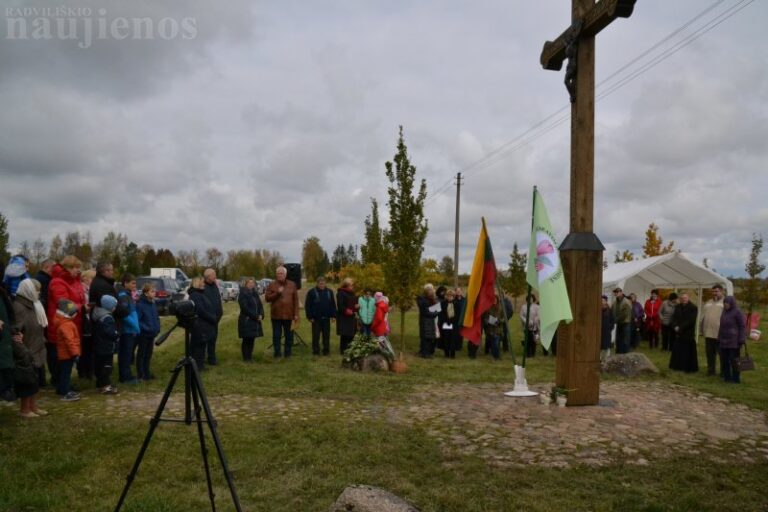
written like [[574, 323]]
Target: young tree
[[752, 290], [516, 284], [654, 244], [4, 239], [372, 250], [313, 258], [404, 241], [624, 256]]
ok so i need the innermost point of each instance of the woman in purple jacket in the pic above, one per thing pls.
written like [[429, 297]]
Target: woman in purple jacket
[[732, 336]]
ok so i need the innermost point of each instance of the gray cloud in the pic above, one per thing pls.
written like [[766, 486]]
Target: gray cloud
[[273, 124]]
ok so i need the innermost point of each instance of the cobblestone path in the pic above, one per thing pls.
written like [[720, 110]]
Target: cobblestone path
[[636, 422]]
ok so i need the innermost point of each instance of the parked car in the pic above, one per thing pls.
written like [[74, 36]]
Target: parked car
[[229, 290], [167, 291]]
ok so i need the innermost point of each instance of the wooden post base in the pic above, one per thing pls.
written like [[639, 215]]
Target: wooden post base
[[578, 343]]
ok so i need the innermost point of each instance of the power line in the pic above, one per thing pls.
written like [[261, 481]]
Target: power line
[[504, 150]]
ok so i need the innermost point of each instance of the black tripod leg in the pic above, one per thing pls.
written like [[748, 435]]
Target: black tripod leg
[[152, 425], [203, 448], [197, 383]]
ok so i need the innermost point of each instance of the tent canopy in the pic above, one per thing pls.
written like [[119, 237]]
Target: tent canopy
[[673, 270]]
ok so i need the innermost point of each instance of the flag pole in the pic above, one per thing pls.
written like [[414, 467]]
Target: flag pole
[[499, 291], [527, 334], [521, 383]]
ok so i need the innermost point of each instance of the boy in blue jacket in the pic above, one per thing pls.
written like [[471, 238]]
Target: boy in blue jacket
[[129, 328], [149, 328]]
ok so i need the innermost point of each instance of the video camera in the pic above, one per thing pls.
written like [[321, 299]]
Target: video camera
[[185, 317]]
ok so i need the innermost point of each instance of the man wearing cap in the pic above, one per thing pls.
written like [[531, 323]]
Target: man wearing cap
[[709, 327], [622, 315]]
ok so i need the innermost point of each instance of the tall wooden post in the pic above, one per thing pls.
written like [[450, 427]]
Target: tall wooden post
[[578, 343]]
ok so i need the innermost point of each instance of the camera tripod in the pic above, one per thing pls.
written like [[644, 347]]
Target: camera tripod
[[195, 402]]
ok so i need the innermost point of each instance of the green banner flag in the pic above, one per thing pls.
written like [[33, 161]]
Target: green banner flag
[[545, 273]]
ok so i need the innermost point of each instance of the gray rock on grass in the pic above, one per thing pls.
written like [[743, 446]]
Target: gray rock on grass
[[366, 498], [629, 365]]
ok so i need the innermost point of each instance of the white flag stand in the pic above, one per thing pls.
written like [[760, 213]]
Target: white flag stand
[[521, 385]]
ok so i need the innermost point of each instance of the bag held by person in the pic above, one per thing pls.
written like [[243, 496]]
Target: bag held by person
[[743, 363]]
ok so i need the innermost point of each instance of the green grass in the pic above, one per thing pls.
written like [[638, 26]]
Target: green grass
[[76, 459]]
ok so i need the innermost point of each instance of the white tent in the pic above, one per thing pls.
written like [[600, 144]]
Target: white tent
[[673, 270]]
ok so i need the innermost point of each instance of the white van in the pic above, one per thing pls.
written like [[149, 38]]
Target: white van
[[173, 273]]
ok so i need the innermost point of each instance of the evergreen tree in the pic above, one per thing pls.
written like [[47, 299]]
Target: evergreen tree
[[339, 258], [4, 239], [372, 251], [404, 241]]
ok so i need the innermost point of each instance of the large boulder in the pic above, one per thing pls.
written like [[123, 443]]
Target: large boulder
[[370, 363], [629, 365], [365, 498]]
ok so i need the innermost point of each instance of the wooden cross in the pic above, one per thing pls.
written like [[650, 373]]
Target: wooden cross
[[578, 344]]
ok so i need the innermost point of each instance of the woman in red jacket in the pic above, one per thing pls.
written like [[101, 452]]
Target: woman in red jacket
[[652, 319], [65, 285]]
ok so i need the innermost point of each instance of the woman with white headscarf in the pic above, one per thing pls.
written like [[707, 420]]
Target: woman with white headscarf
[[31, 320]]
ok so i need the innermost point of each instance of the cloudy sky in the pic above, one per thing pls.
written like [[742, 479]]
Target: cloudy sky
[[243, 124]]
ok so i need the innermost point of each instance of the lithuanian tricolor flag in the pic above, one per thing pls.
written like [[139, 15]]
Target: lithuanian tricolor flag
[[480, 293]]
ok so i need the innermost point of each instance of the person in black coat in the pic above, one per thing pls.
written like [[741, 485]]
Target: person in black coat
[[205, 324], [251, 314], [427, 326], [103, 283], [346, 322], [321, 311], [684, 356], [214, 299], [450, 324], [606, 328]]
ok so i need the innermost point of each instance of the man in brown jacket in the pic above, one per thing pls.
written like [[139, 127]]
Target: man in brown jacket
[[284, 300]]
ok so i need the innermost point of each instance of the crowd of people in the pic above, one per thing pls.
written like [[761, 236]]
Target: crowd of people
[[673, 321], [65, 319]]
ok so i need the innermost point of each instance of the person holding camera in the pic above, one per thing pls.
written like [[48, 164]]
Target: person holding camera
[[284, 299], [204, 328]]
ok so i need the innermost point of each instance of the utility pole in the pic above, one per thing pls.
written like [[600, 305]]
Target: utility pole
[[456, 235]]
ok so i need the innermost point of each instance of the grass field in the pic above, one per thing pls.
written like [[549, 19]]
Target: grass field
[[76, 459]]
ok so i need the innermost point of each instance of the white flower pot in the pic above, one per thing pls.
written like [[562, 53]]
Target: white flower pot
[[545, 399], [562, 400]]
